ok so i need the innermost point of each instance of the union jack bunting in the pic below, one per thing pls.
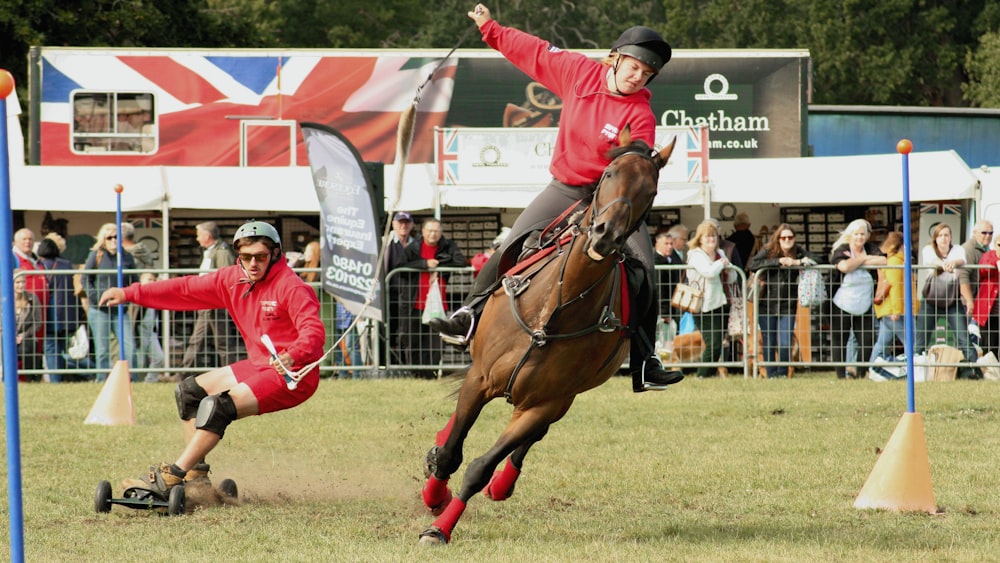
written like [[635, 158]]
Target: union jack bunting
[[697, 152]]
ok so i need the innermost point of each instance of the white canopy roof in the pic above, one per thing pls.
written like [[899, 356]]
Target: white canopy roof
[[841, 179], [788, 181], [91, 188]]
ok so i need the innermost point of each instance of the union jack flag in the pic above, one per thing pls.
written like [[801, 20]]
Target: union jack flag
[[697, 145], [200, 99], [941, 208], [447, 156], [149, 220]]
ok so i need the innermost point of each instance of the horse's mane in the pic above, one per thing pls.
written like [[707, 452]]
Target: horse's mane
[[637, 145]]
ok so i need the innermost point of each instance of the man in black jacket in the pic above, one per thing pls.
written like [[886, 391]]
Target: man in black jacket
[[398, 344]]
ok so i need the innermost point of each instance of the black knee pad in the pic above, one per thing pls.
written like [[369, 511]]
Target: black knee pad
[[215, 413], [189, 395]]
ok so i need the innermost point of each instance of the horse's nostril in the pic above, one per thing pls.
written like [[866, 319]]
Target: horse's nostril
[[600, 228]]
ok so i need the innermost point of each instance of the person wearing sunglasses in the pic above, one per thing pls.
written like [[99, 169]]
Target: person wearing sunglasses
[[265, 297], [775, 272], [977, 245], [102, 319]]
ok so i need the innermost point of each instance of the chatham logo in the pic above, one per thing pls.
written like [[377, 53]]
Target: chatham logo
[[713, 95], [490, 157]]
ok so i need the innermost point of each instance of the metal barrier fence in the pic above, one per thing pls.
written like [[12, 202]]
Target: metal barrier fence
[[818, 337], [705, 343], [825, 336]]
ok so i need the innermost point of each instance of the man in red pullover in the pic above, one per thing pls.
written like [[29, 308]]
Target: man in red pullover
[[600, 99], [264, 297]]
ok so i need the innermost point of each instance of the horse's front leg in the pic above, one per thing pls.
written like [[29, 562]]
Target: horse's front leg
[[446, 456], [524, 426], [501, 485]]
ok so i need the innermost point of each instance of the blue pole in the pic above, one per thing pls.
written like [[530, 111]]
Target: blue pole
[[14, 502], [904, 147], [121, 277]]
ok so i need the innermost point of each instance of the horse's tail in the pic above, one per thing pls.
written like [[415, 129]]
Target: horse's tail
[[456, 378]]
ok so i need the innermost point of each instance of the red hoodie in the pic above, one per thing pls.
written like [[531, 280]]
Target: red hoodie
[[281, 306], [591, 115]]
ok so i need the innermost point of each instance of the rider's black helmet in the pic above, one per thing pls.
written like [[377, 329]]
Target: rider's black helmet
[[643, 44]]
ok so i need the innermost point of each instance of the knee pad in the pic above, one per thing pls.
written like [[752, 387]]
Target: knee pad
[[189, 395], [215, 413]]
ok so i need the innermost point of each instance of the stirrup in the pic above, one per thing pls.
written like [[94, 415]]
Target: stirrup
[[459, 339], [654, 363]]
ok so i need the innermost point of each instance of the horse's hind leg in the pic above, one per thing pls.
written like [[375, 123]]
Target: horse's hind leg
[[501, 486]]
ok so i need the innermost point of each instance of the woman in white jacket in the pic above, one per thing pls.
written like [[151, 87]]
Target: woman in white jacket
[[708, 271]]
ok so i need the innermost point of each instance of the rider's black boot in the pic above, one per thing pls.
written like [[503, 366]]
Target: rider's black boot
[[456, 330], [652, 376], [648, 374]]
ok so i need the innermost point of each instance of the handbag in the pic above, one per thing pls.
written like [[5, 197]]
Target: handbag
[[941, 290], [737, 311], [78, 344], [687, 297], [736, 314], [812, 290], [433, 306], [855, 293]]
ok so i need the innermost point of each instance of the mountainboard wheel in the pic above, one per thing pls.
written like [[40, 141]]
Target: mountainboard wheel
[[102, 500], [175, 502], [229, 488]]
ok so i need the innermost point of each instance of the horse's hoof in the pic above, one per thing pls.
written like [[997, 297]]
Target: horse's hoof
[[430, 462], [433, 536]]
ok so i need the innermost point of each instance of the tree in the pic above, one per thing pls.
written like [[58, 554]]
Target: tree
[[983, 67]]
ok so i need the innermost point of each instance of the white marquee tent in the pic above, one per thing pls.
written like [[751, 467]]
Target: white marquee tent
[[847, 180]]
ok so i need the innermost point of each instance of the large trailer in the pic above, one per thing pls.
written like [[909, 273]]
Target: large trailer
[[212, 107]]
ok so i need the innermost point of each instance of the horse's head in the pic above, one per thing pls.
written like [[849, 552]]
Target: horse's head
[[624, 194]]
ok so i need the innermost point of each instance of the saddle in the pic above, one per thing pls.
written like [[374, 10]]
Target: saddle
[[539, 245]]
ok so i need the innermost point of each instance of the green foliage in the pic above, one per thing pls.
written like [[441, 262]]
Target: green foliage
[[711, 470], [983, 66], [892, 52]]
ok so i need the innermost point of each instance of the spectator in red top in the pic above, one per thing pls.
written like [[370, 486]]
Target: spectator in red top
[[27, 260], [600, 99], [24, 242], [427, 253]]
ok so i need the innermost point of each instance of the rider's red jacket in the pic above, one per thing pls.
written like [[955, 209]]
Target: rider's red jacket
[[591, 115], [281, 306]]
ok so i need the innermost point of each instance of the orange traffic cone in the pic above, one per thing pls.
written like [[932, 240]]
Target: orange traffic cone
[[114, 405], [901, 479]]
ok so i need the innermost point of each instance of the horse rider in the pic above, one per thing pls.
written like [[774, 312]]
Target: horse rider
[[600, 99]]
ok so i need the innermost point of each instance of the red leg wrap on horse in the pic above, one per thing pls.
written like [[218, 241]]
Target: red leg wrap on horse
[[442, 436], [446, 522], [436, 494], [501, 486]]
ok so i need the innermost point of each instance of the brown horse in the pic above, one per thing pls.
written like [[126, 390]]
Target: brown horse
[[554, 331]]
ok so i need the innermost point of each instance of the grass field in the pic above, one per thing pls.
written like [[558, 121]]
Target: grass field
[[712, 470]]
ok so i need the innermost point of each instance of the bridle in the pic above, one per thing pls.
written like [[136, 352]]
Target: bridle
[[634, 222]]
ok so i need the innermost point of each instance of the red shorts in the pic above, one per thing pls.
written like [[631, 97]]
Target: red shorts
[[270, 389]]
